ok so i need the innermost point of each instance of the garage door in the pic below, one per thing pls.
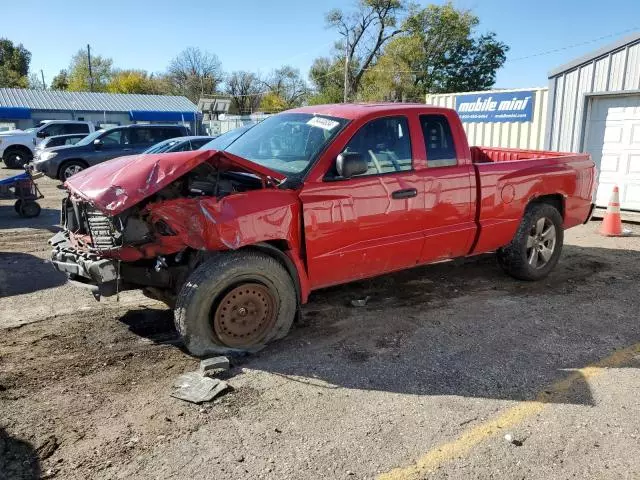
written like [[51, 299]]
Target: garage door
[[613, 139]]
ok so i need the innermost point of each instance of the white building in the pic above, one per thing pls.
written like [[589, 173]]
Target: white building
[[595, 107]]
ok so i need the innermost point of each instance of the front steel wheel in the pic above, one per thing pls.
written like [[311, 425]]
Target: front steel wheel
[[235, 302], [536, 246], [245, 315]]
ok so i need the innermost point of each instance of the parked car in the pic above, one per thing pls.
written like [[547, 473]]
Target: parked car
[[222, 141], [310, 198], [103, 145], [179, 144], [17, 146], [59, 141]]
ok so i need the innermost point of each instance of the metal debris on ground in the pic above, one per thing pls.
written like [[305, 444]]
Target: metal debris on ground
[[196, 388], [360, 302], [210, 365]]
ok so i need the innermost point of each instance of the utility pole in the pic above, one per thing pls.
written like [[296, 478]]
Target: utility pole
[[90, 72], [346, 70], [44, 85]]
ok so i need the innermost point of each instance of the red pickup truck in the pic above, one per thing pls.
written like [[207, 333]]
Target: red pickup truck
[[317, 196]]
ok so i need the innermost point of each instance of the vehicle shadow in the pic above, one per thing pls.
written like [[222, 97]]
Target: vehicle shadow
[[462, 328], [48, 219], [18, 459], [22, 273]]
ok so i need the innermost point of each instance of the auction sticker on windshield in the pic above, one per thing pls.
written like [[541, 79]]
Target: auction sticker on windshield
[[324, 123]]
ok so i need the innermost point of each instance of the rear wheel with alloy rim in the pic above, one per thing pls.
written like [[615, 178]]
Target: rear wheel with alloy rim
[[537, 244]]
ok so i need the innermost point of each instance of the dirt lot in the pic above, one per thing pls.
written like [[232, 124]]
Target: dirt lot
[[424, 381]]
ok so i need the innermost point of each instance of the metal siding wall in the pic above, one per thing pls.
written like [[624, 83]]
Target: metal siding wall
[[557, 113], [632, 74], [613, 72], [503, 134], [618, 66]]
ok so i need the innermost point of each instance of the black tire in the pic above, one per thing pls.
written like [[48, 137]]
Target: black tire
[[17, 157], [29, 209], [199, 302], [517, 259], [17, 206], [70, 168]]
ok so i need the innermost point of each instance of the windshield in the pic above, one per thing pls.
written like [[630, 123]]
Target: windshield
[[90, 138], [223, 141], [31, 130], [287, 142]]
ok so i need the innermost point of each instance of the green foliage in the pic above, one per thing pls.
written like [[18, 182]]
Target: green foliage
[[135, 81], [14, 65], [60, 81], [435, 50], [79, 80], [273, 103]]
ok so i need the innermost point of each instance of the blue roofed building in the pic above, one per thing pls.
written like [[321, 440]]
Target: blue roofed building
[[23, 108]]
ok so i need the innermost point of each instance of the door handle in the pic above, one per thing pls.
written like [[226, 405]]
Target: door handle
[[405, 193]]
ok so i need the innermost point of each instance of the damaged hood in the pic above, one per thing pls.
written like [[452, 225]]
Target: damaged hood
[[118, 184]]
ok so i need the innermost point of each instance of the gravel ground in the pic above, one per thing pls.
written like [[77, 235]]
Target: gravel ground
[[424, 381]]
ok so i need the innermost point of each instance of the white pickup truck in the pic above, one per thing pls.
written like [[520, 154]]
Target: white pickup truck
[[17, 146]]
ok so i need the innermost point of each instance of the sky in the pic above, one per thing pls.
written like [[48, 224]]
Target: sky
[[261, 35]]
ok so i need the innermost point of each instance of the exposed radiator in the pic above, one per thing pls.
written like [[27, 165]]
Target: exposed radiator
[[101, 229]]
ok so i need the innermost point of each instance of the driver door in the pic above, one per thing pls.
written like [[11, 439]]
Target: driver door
[[368, 224]]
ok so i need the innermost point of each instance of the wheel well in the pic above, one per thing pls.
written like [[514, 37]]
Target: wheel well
[[276, 249], [20, 148], [79, 160], [555, 200]]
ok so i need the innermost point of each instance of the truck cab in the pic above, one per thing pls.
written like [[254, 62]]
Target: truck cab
[[17, 146]]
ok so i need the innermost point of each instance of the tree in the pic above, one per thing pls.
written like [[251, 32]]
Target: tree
[[273, 103], [326, 76], [14, 65], [134, 81], [439, 53], [287, 84], [36, 82], [60, 81], [79, 80], [245, 91], [364, 34], [194, 73]]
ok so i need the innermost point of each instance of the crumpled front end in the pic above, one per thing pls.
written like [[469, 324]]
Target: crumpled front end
[[155, 243]]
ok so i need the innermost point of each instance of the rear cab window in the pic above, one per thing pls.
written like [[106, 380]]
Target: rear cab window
[[438, 140], [385, 143]]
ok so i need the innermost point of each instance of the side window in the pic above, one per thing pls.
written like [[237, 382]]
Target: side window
[[53, 129], [166, 133], [72, 140], [143, 136], [75, 128], [385, 144], [441, 151], [115, 137]]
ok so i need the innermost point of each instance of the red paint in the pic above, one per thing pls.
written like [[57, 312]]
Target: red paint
[[121, 183], [338, 231]]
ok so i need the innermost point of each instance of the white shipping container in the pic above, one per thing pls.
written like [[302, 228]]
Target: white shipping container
[[528, 135]]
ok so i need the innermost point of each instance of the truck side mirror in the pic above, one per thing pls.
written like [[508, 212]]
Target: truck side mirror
[[349, 164], [97, 143], [42, 134]]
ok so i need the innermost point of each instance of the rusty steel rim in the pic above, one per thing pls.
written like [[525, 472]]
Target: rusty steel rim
[[244, 315]]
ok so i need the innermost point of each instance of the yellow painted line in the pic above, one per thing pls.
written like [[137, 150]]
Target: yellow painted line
[[513, 416]]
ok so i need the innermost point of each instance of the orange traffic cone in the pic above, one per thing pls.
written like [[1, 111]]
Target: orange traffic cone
[[612, 224]]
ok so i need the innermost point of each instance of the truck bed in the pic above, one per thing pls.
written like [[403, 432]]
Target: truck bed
[[509, 179], [494, 155]]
